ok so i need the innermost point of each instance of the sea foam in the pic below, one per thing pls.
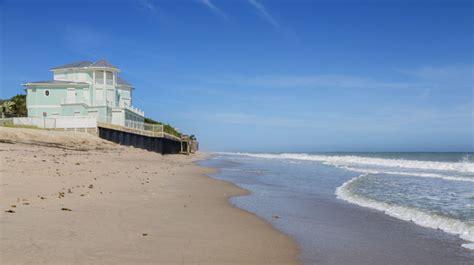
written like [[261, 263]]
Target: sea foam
[[463, 230], [463, 170], [461, 166]]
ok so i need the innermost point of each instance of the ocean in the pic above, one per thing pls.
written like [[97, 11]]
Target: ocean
[[361, 208]]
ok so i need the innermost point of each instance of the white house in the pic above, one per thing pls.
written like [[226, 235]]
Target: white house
[[84, 89]]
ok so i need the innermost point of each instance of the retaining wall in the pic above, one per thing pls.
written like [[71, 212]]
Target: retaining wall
[[156, 144]]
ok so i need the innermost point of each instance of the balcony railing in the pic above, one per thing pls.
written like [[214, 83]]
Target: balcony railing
[[154, 130], [135, 110], [107, 103]]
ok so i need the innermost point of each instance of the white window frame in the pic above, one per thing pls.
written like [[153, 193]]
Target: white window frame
[[99, 75]]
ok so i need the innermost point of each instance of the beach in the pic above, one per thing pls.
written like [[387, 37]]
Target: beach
[[72, 198]]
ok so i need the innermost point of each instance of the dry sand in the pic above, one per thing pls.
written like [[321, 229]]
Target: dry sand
[[76, 199]]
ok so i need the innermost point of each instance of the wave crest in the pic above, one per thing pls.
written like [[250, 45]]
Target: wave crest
[[449, 170], [463, 230]]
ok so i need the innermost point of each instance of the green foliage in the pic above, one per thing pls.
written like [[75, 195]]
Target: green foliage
[[15, 106], [151, 121], [166, 127]]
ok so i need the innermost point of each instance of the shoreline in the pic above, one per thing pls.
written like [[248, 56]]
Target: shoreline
[[329, 230], [244, 192], [111, 204]]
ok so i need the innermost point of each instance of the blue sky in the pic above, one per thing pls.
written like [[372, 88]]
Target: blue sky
[[268, 75]]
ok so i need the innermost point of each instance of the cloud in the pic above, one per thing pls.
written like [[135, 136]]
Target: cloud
[[264, 13], [241, 118], [312, 81], [425, 79], [461, 75], [147, 5], [213, 8]]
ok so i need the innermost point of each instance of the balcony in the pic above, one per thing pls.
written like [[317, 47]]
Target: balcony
[[135, 110]]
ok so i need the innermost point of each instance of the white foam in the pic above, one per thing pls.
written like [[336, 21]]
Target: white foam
[[449, 225], [463, 167], [416, 174]]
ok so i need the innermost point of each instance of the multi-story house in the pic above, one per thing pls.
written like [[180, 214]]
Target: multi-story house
[[84, 89]]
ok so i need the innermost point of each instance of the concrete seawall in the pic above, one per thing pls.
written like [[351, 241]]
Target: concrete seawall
[[160, 145]]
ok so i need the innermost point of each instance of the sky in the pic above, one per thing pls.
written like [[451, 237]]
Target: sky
[[268, 75]]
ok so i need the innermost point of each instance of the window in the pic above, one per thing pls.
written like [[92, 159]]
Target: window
[[99, 77], [109, 78], [46, 93]]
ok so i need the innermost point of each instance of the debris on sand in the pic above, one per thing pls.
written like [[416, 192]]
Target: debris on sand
[[91, 186], [10, 211], [144, 234], [66, 209]]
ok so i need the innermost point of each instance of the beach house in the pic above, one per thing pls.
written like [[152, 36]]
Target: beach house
[[84, 89]]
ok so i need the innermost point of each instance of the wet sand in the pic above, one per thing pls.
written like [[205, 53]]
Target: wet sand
[[70, 198]]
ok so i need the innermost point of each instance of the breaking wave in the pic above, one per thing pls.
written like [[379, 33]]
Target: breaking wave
[[459, 171], [453, 226]]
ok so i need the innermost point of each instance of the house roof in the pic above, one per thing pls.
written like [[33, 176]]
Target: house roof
[[85, 64], [80, 64], [103, 63], [123, 82], [56, 82]]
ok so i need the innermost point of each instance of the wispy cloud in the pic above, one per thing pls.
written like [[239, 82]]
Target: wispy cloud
[[243, 118], [147, 5], [213, 8], [425, 79], [264, 13], [461, 75], [311, 81]]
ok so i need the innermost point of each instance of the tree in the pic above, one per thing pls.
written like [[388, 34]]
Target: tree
[[15, 106], [19, 105]]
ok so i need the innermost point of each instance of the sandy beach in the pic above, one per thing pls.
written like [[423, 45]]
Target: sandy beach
[[72, 198]]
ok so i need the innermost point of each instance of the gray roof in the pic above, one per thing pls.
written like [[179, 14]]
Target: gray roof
[[83, 64], [103, 63], [57, 82], [74, 65], [123, 82]]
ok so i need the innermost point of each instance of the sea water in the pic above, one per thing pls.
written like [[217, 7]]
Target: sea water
[[434, 190]]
